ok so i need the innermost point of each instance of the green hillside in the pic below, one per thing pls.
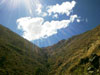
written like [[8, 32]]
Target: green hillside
[[78, 55], [18, 56], [64, 58]]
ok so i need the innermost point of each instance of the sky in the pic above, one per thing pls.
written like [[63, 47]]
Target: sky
[[46, 22]]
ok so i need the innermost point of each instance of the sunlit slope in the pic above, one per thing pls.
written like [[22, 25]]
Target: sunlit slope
[[74, 56], [65, 56], [18, 56]]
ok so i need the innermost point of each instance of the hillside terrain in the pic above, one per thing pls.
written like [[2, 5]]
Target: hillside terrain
[[78, 55], [18, 56], [65, 57]]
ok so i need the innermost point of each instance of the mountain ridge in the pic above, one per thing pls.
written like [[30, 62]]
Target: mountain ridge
[[81, 43], [60, 59], [20, 54]]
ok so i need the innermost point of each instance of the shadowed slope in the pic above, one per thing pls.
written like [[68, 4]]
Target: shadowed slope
[[18, 56]]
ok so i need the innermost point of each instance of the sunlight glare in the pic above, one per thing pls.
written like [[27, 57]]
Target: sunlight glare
[[31, 6]]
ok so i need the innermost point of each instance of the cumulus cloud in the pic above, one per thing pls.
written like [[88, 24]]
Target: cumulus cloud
[[64, 8], [37, 28]]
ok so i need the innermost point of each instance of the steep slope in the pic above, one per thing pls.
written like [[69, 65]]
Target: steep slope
[[18, 56], [75, 56], [63, 57]]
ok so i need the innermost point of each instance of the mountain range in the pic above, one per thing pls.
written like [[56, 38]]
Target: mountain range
[[79, 55]]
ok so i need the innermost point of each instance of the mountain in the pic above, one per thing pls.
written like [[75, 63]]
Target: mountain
[[65, 57], [78, 55], [18, 56]]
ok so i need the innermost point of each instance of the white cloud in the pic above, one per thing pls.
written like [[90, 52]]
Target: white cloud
[[64, 8], [72, 17], [55, 16], [36, 28], [78, 20], [39, 8]]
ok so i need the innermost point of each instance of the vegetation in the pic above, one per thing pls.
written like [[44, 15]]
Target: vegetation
[[18, 56], [67, 55], [75, 56]]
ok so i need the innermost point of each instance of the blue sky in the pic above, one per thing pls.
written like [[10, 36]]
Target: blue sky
[[45, 22]]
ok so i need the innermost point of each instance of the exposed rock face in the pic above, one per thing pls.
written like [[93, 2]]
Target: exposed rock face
[[95, 60]]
